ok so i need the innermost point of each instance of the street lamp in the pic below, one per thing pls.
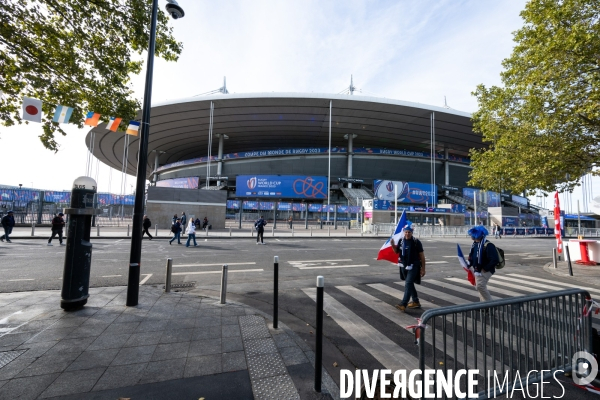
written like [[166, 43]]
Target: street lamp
[[135, 254]]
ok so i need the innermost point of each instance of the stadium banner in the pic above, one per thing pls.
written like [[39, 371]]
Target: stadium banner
[[282, 186], [299, 206], [492, 199], [179, 183], [284, 206], [313, 150], [6, 195], [408, 192], [519, 200], [315, 207], [57, 197], [250, 205], [233, 204], [266, 206]]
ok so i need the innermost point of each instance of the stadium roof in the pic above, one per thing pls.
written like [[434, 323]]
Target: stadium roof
[[267, 121]]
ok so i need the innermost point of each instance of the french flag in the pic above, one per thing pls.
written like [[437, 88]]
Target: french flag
[[386, 252], [465, 265]]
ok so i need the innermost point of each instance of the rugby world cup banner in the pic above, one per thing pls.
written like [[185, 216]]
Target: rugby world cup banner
[[408, 192], [179, 183], [281, 186]]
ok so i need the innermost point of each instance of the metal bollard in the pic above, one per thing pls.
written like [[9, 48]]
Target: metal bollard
[[328, 231], [569, 260], [127, 230], [32, 228], [229, 231], [98, 230], [156, 230], [207, 231], [224, 283], [554, 258], [346, 231], [319, 336], [168, 277], [273, 230], [311, 231], [275, 291], [292, 231], [251, 232]]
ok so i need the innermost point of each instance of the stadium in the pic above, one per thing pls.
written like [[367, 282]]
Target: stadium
[[311, 157]]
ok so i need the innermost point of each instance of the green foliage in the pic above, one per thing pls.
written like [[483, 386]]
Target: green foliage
[[544, 122], [77, 53]]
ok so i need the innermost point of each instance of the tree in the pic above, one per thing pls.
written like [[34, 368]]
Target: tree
[[77, 53], [542, 127]]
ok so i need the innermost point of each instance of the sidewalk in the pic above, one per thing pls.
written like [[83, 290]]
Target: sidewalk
[[582, 273], [171, 346]]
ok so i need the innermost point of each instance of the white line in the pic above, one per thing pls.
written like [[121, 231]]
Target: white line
[[311, 261], [217, 272], [436, 262], [212, 265], [119, 240], [145, 279], [110, 276], [335, 266], [278, 240], [17, 280], [589, 289]]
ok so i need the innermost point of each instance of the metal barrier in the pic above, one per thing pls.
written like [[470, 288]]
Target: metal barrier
[[507, 338]]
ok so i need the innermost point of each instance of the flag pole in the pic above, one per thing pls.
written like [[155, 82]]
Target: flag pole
[[395, 204]]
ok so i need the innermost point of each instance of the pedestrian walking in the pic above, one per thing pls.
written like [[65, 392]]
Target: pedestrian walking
[[58, 223], [176, 229], [205, 223], [183, 221], [483, 258], [290, 221], [497, 232], [146, 224], [259, 225], [8, 222], [191, 233], [411, 260], [174, 219]]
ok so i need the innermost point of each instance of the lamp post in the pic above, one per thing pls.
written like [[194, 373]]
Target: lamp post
[[135, 254]]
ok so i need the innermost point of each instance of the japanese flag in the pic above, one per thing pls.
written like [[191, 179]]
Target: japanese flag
[[32, 109]]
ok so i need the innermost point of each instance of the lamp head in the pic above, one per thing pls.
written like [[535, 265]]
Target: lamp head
[[174, 10]]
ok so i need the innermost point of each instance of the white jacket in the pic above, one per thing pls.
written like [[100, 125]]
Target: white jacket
[[191, 228]]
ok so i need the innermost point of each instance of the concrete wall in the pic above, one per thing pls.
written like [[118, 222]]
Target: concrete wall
[[163, 203]]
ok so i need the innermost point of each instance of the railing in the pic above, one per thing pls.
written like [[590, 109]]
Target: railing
[[507, 338], [459, 231]]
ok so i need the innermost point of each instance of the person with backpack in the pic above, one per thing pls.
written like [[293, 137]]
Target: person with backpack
[[146, 224], [8, 222], [411, 260], [484, 257], [176, 229], [259, 225], [191, 233], [58, 223]]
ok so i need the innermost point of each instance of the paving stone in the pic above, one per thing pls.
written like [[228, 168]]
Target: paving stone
[[266, 365], [68, 322], [51, 334], [232, 311], [71, 346], [283, 340], [208, 332], [170, 351], [184, 323], [158, 371], [73, 382], [129, 318], [152, 326], [175, 336], [125, 327], [232, 320], [204, 347], [87, 331], [134, 355], [210, 320], [14, 367], [230, 330], [203, 365], [27, 388], [16, 339], [293, 356], [143, 338], [35, 350], [34, 325], [109, 341], [234, 361], [275, 388], [49, 364], [120, 376], [93, 359], [231, 344]]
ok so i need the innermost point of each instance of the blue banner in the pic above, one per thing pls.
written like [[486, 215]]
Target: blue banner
[[250, 205], [57, 197], [180, 183], [315, 207], [284, 206], [492, 199], [282, 186], [408, 192], [299, 206]]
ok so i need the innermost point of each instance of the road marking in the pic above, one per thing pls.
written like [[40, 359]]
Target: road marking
[[589, 289], [145, 279], [212, 265], [278, 240], [335, 266], [436, 262], [217, 272], [313, 261], [110, 276], [17, 280], [119, 240]]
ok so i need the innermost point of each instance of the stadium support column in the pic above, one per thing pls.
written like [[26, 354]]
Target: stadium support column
[[157, 154], [220, 156], [446, 169], [329, 163], [350, 150]]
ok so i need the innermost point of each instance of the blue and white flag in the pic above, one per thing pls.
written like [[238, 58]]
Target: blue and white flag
[[62, 114]]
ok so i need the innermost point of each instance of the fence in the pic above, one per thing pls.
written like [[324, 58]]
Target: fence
[[459, 231], [507, 338]]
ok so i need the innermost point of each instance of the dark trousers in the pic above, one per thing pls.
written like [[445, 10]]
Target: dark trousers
[[147, 233], [260, 234], [54, 233], [409, 286], [7, 231]]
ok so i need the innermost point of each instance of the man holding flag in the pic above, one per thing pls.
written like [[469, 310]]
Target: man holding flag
[[407, 251]]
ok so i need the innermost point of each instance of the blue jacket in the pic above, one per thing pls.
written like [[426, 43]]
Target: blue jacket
[[260, 224], [8, 221], [489, 257]]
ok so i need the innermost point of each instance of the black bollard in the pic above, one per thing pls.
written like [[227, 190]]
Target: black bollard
[[275, 290], [319, 336], [569, 261], [78, 254]]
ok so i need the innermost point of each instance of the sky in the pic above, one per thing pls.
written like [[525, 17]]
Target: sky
[[417, 50]]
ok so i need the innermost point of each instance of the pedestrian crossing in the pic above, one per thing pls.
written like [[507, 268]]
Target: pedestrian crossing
[[397, 351]]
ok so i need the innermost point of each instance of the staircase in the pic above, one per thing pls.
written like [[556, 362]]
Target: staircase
[[353, 194], [467, 202]]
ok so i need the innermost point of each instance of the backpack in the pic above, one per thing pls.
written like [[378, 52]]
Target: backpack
[[501, 260], [174, 228]]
